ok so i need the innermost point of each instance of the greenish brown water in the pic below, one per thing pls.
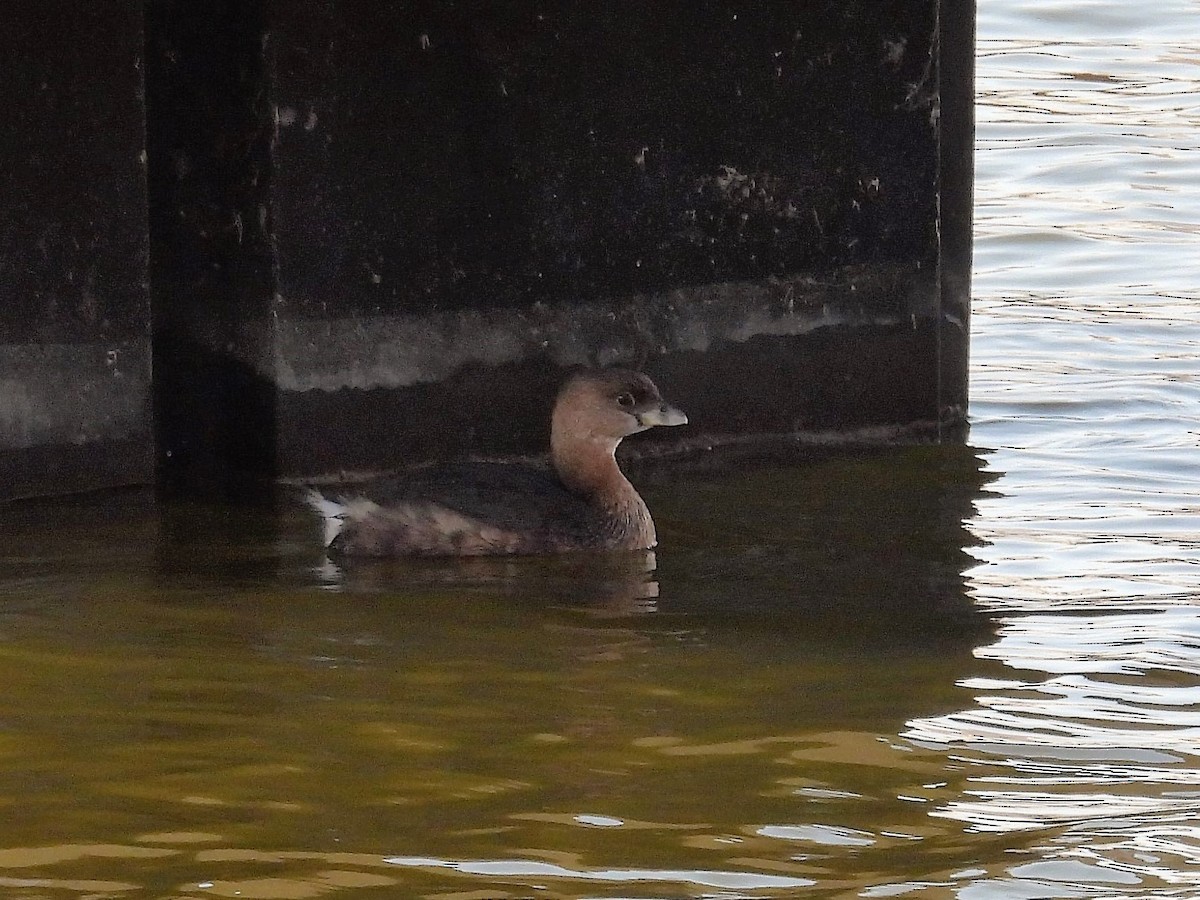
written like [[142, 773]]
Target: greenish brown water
[[196, 703]]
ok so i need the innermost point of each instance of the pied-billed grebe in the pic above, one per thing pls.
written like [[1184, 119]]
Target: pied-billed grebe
[[580, 500]]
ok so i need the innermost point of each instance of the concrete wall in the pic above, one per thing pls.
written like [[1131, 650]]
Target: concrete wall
[[752, 201], [383, 231], [74, 302]]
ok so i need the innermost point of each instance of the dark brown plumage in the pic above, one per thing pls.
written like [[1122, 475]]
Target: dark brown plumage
[[577, 500]]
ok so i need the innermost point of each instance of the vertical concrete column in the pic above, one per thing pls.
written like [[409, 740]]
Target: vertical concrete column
[[74, 305], [956, 193], [209, 131]]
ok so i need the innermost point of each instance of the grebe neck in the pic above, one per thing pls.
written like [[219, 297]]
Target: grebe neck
[[588, 467]]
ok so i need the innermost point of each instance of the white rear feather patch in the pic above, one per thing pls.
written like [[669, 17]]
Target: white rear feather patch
[[332, 513], [336, 513], [423, 523]]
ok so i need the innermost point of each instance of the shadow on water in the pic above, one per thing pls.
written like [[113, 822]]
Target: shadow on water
[[869, 549], [199, 688]]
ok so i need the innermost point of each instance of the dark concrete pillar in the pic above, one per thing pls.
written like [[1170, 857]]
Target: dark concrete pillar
[[74, 307], [384, 230], [956, 191], [213, 261]]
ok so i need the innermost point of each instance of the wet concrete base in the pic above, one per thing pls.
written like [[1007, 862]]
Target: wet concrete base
[[879, 390], [54, 469], [74, 417], [849, 360]]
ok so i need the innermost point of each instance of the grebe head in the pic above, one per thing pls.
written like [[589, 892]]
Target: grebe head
[[607, 405]]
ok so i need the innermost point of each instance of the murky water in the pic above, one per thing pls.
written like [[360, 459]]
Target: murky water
[[937, 672], [196, 703]]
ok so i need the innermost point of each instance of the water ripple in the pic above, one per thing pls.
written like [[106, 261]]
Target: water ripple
[[1084, 384], [523, 868]]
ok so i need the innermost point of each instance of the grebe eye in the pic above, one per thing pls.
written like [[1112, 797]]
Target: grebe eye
[[625, 399]]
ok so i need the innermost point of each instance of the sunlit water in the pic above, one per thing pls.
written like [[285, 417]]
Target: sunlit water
[[931, 672], [1086, 381]]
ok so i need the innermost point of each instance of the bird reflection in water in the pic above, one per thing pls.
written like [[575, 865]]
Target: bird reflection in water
[[608, 585]]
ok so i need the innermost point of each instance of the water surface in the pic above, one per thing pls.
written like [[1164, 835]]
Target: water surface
[[198, 703], [1086, 352]]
